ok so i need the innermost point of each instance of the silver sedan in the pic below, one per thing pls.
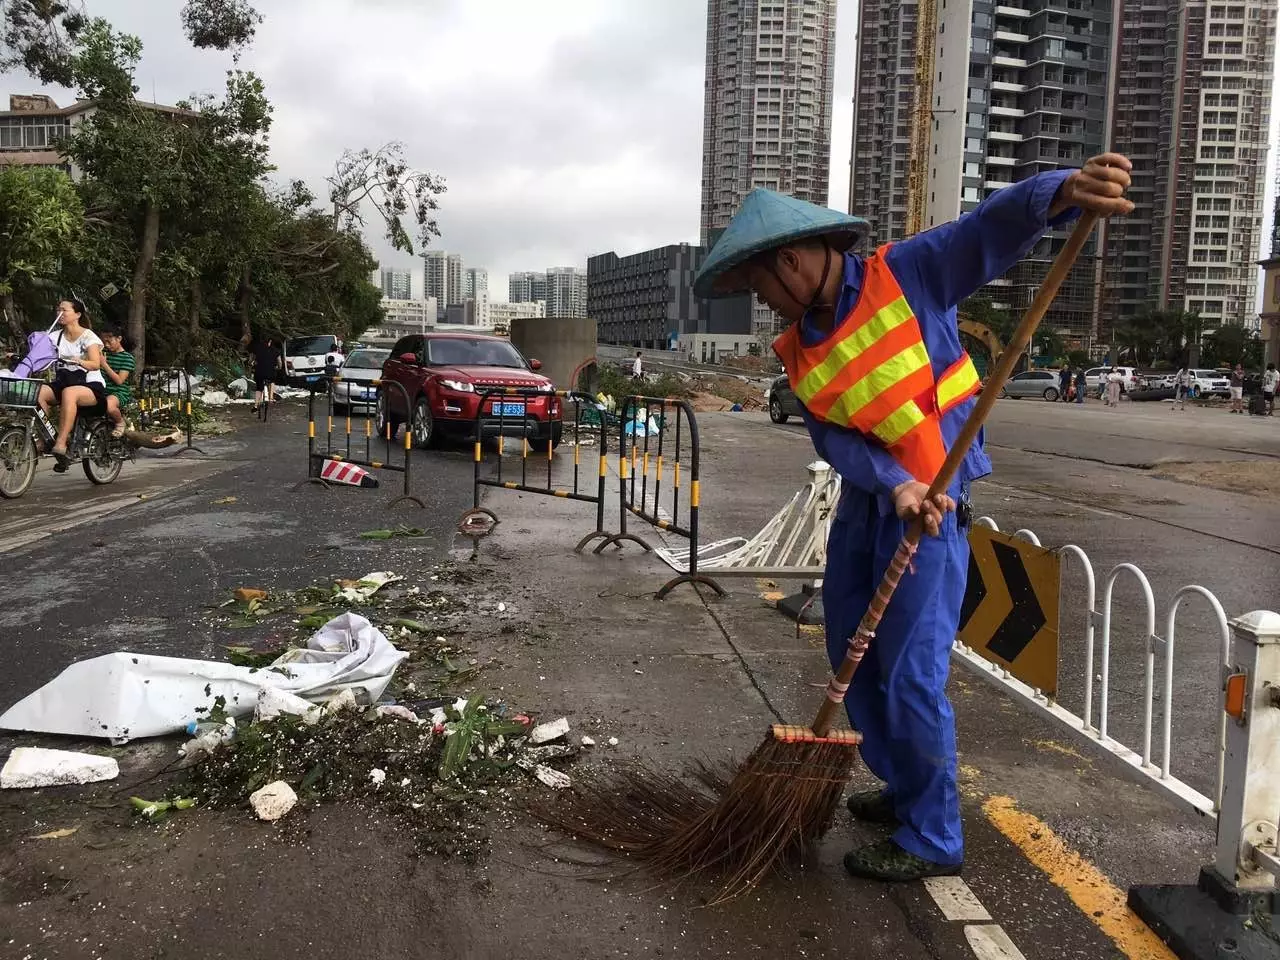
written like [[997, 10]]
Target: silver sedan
[[1032, 383], [355, 388]]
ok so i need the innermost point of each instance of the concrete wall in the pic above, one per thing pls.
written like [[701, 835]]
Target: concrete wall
[[563, 344]]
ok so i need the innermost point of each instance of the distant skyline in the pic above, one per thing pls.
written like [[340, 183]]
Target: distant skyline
[[564, 129]]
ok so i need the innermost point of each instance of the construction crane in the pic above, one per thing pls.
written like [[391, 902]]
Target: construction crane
[[921, 116]]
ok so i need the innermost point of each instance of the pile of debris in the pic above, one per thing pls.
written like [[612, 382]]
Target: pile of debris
[[335, 709]]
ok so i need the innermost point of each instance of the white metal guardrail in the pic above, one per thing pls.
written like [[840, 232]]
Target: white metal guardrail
[[1099, 667], [792, 544]]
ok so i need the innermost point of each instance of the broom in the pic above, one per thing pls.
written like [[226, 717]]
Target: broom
[[785, 794]]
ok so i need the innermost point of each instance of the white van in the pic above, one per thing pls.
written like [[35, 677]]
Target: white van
[[305, 358]]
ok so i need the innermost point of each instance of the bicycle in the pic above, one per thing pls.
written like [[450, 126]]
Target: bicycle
[[22, 422]]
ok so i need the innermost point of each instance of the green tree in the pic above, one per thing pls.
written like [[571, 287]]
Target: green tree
[[38, 36], [41, 217], [161, 170], [383, 178], [1231, 344]]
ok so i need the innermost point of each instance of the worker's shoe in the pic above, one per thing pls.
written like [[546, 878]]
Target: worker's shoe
[[888, 861], [872, 806]]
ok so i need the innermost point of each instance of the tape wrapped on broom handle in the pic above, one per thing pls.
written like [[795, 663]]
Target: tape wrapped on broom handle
[[866, 631]]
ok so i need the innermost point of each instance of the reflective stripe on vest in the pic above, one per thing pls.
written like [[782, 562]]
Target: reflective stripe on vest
[[873, 374]]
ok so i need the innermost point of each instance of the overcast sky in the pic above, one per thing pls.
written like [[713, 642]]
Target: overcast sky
[[564, 128]]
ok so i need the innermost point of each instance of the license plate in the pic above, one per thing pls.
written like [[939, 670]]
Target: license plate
[[509, 409]]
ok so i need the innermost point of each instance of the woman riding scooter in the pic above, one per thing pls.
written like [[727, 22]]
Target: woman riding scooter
[[78, 381]]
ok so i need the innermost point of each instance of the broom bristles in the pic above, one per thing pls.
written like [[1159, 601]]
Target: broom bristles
[[779, 802]]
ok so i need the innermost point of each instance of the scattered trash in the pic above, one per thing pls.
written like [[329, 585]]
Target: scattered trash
[[588, 742], [249, 594], [158, 809], [552, 778], [273, 801], [389, 534], [209, 740], [362, 590], [272, 703], [238, 388], [613, 741], [57, 834], [29, 767], [502, 608], [377, 777], [214, 398], [225, 500], [397, 712], [123, 696], [546, 732], [342, 700]]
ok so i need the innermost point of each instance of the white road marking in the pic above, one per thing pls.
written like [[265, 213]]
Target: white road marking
[[990, 942], [955, 899]]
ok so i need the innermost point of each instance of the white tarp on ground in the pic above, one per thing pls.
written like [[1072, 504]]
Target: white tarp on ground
[[123, 696]]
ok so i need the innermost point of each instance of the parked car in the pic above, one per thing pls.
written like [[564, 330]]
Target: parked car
[[781, 400], [1096, 377], [1032, 383], [1211, 383], [307, 358], [444, 376], [355, 388]]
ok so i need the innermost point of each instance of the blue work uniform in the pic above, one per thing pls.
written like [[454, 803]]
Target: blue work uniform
[[898, 699]]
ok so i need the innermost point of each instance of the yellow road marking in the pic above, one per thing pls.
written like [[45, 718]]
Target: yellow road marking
[[1089, 889]]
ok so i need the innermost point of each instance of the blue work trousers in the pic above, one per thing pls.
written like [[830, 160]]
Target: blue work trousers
[[898, 699]]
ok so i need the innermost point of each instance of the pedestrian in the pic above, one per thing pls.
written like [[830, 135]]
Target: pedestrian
[[1114, 379], [637, 368], [1064, 384], [1082, 385], [266, 364], [868, 336], [1237, 389], [1270, 381], [1181, 386]]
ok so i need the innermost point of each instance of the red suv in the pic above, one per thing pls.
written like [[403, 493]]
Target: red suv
[[446, 374]]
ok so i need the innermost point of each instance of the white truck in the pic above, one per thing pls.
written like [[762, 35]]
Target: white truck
[[306, 358]]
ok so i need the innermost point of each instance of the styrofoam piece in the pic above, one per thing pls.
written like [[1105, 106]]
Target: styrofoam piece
[[552, 778], [273, 703], [123, 696], [29, 767], [546, 732], [273, 801]]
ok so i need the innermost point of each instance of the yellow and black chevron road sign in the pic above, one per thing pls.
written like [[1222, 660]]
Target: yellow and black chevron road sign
[[1010, 611]]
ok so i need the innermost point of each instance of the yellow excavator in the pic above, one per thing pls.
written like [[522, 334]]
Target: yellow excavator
[[988, 338]]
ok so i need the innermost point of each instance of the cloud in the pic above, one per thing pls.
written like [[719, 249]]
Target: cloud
[[563, 128]]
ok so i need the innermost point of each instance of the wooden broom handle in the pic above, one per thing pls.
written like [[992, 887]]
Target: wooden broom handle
[[859, 642]]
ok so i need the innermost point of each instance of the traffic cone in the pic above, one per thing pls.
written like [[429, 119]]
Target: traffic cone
[[335, 471]]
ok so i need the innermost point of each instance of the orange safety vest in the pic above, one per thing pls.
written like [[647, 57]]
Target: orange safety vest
[[873, 374]]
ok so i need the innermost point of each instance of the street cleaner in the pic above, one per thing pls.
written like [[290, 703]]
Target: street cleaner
[[873, 355]]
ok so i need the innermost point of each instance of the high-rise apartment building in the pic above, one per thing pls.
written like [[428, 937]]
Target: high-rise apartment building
[[526, 287], [566, 292], [767, 110], [1022, 86], [396, 284], [1193, 102], [442, 278], [475, 280]]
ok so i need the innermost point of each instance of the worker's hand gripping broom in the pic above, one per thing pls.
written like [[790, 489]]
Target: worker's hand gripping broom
[[861, 639], [782, 798]]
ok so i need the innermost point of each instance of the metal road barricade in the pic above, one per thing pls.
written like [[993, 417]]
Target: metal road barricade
[[164, 398], [503, 414], [347, 450], [654, 434]]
